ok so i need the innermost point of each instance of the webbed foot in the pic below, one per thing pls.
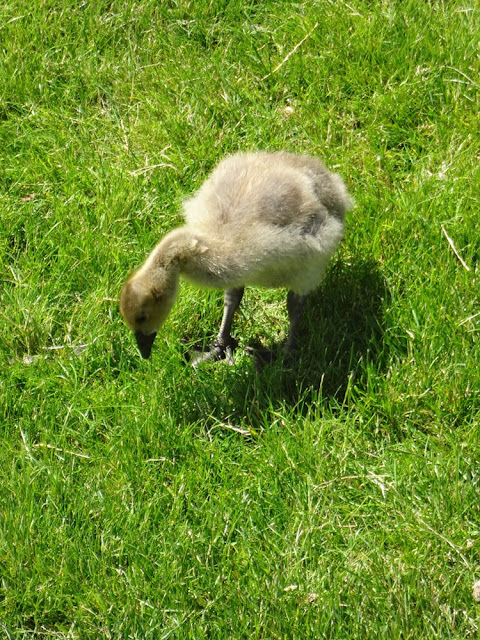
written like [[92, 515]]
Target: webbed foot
[[215, 352], [263, 357]]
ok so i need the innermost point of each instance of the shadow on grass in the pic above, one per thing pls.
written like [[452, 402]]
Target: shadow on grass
[[342, 340]]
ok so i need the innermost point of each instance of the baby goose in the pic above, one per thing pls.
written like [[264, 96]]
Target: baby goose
[[265, 219]]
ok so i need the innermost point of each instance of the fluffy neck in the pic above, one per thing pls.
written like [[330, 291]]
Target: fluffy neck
[[177, 247], [179, 252], [186, 252]]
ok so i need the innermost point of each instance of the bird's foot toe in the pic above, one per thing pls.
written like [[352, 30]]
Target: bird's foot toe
[[215, 352], [262, 357]]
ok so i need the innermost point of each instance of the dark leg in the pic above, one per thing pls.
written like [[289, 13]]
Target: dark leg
[[296, 304], [232, 300], [224, 344]]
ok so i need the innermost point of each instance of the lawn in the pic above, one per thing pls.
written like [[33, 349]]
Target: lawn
[[335, 498]]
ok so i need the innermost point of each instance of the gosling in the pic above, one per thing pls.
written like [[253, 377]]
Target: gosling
[[263, 219]]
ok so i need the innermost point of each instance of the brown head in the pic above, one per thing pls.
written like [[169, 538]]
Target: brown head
[[145, 302]]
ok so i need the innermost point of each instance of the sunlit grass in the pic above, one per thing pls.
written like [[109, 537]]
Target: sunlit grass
[[145, 499]]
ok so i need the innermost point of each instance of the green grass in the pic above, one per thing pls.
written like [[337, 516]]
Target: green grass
[[144, 499]]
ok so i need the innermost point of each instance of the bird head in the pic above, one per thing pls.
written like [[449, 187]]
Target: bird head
[[145, 302]]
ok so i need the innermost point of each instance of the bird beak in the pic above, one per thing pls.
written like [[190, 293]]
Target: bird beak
[[145, 343]]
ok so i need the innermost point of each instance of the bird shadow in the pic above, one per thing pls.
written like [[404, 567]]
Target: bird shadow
[[342, 331]]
